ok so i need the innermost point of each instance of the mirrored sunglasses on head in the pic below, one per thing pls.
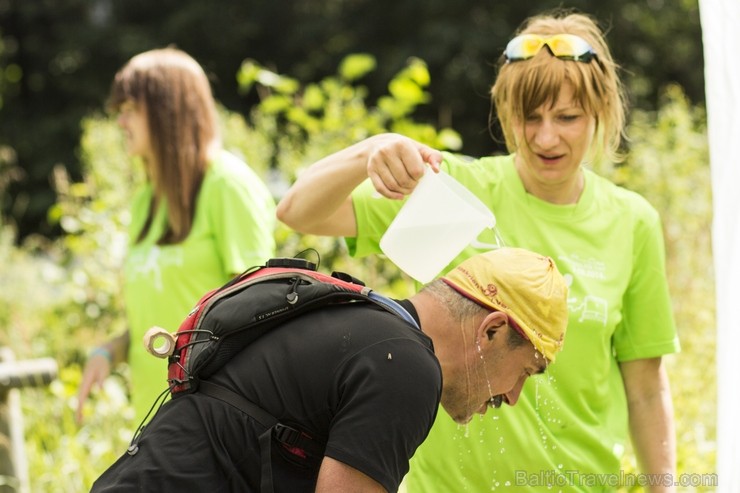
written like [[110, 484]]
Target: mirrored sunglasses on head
[[563, 46]]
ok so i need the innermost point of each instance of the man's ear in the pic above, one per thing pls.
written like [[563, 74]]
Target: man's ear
[[493, 323]]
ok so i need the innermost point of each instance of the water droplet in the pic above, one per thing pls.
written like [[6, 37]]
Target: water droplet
[[480, 353]]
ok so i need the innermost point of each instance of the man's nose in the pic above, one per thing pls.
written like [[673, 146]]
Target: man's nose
[[513, 395]]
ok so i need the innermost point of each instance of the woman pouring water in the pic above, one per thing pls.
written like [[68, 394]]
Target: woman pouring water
[[560, 104]]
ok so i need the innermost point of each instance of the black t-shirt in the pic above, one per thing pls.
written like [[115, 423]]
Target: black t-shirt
[[358, 377]]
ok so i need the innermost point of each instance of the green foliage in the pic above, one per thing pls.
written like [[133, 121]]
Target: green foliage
[[308, 122], [94, 214], [65, 298], [356, 66], [63, 456]]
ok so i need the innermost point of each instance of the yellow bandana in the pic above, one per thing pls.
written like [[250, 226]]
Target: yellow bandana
[[525, 285]]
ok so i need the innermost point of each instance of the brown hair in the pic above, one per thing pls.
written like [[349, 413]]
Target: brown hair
[[183, 125], [523, 86]]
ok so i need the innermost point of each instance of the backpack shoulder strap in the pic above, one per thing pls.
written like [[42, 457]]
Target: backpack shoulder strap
[[394, 307], [238, 401], [290, 437]]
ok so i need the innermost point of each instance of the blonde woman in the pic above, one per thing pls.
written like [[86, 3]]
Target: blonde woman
[[560, 104], [202, 215]]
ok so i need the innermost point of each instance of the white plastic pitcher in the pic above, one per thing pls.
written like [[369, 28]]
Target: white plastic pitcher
[[438, 220]]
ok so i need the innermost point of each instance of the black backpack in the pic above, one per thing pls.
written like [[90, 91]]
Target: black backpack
[[229, 318]]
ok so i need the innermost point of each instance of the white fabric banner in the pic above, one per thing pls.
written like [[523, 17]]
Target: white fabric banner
[[720, 20]]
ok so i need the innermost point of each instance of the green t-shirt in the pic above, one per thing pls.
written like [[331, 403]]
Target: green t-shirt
[[571, 423], [232, 231]]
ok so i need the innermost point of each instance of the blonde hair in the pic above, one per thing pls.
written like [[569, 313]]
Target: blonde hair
[[523, 86], [181, 113]]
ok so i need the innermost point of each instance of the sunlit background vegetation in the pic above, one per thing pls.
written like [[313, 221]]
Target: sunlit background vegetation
[[61, 297], [60, 294]]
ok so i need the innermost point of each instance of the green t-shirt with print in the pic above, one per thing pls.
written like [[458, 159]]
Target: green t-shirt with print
[[233, 229], [570, 425]]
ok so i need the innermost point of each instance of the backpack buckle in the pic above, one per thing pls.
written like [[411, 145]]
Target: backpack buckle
[[287, 435]]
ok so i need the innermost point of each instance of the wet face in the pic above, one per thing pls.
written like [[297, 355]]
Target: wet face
[[132, 120], [493, 374], [552, 143]]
